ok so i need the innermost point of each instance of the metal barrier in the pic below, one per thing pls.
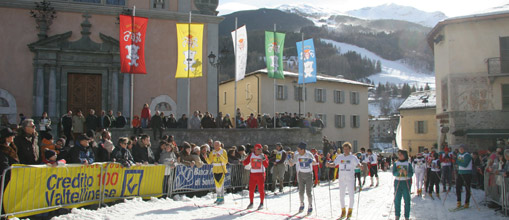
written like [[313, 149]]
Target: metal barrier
[[495, 189]]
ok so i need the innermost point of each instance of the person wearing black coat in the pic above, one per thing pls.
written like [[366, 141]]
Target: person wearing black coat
[[67, 126], [182, 122], [91, 121], [82, 153], [121, 154], [171, 122], [104, 148], [142, 152], [8, 152], [121, 121], [156, 122], [26, 142]]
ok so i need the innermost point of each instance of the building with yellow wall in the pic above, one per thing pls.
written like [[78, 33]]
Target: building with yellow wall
[[417, 127], [472, 78], [341, 104]]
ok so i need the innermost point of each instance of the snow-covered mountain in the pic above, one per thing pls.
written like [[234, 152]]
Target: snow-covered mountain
[[306, 10], [399, 12]]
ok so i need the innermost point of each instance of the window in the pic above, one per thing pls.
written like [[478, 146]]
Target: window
[[339, 121], [355, 146], [322, 117], [298, 93], [421, 149], [355, 121], [339, 96], [224, 98], [159, 4], [107, 2], [319, 95], [421, 127], [115, 2], [505, 96], [354, 98], [504, 54], [281, 92]]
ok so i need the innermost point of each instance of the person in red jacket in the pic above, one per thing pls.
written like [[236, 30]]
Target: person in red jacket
[[145, 116], [259, 162], [252, 122], [315, 167]]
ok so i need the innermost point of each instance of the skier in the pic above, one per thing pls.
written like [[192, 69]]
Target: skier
[[373, 167], [419, 166], [365, 162], [402, 171], [434, 175], [347, 164], [358, 171], [259, 162], [304, 161], [427, 157], [279, 168], [218, 158], [464, 162], [446, 160]]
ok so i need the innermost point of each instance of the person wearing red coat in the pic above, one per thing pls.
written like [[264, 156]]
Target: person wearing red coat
[[252, 122], [145, 116], [259, 162]]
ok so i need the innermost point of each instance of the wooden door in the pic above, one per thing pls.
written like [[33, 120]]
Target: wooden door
[[84, 92]]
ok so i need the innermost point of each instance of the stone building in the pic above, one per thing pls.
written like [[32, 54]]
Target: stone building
[[472, 78], [341, 104], [72, 61]]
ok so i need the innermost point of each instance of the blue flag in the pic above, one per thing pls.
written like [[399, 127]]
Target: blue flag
[[307, 65]]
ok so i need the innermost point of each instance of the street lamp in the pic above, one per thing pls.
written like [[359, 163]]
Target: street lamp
[[217, 64]]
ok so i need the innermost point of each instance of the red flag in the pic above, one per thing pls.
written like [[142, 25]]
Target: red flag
[[132, 44]]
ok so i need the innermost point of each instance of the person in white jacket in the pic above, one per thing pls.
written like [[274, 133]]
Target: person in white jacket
[[347, 164], [419, 166]]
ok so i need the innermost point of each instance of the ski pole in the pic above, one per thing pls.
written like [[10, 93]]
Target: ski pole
[[290, 191], [471, 193], [395, 191], [330, 198], [358, 202], [314, 200]]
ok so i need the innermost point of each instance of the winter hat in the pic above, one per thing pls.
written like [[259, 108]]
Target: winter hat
[[257, 146], [49, 153], [83, 137], [7, 132], [62, 140], [47, 136], [302, 145]]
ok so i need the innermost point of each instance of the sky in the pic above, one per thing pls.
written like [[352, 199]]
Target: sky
[[451, 8]]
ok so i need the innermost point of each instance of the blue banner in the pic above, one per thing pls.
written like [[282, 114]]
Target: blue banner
[[188, 178], [307, 61]]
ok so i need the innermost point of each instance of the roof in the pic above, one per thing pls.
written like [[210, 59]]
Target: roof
[[415, 100], [465, 18], [319, 77]]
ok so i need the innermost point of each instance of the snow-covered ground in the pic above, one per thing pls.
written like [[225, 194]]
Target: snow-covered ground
[[374, 106], [392, 71], [375, 203]]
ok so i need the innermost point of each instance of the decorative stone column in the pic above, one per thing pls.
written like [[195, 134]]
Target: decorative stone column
[[39, 91], [52, 92]]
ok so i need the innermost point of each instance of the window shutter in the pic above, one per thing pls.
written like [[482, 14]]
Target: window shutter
[[336, 121], [324, 95], [358, 121], [316, 95], [351, 121], [343, 121], [357, 97], [285, 92], [416, 127], [296, 93], [351, 98], [336, 96], [425, 125], [342, 97], [324, 119]]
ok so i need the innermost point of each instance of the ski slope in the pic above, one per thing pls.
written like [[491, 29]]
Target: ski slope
[[375, 203], [392, 71]]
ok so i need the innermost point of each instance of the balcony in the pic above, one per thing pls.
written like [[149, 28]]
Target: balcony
[[498, 66]]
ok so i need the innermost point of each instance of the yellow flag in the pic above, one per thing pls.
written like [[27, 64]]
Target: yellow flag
[[190, 46]]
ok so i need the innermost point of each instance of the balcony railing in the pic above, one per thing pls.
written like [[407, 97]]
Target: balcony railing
[[498, 65]]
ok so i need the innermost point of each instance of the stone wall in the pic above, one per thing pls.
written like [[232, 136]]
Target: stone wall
[[289, 137]]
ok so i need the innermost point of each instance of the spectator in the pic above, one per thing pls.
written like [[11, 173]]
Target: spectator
[[145, 116], [204, 150], [167, 156], [239, 122], [62, 152], [8, 151], [130, 145], [195, 121], [47, 143], [252, 122], [142, 152], [81, 152], [101, 119], [67, 126], [105, 147], [171, 122], [121, 121], [157, 125], [4, 122], [227, 123], [21, 118], [51, 158], [91, 121], [136, 125], [219, 120], [109, 120], [187, 158], [121, 154], [78, 123], [207, 121], [26, 143], [182, 122], [233, 157], [44, 123]]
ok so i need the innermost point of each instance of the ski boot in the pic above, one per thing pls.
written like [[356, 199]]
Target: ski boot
[[301, 208], [343, 213], [458, 205], [250, 206], [349, 215], [310, 210], [220, 201], [466, 205], [260, 207]]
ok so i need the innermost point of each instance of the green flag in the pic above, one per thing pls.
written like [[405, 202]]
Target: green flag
[[274, 45]]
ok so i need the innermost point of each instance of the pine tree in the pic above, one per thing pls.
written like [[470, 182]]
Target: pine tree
[[427, 87]]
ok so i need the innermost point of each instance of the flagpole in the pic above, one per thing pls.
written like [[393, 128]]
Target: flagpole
[[303, 78], [236, 69], [275, 88], [132, 81]]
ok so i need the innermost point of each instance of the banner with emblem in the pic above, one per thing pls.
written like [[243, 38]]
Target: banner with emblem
[[274, 45], [307, 61], [132, 44], [240, 35], [190, 46]]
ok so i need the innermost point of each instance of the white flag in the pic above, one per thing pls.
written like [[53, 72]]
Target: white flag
[[239, 37]]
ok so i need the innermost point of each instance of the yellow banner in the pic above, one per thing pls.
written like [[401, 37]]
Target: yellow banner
[[190, 46], [38, 187]]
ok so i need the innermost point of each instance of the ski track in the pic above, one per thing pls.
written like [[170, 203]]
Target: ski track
[[375, 204]]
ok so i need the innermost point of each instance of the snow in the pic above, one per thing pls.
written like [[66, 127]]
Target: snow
[[415, 100], [399, 12], [374, 106], [392, 71], [375, 203]]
